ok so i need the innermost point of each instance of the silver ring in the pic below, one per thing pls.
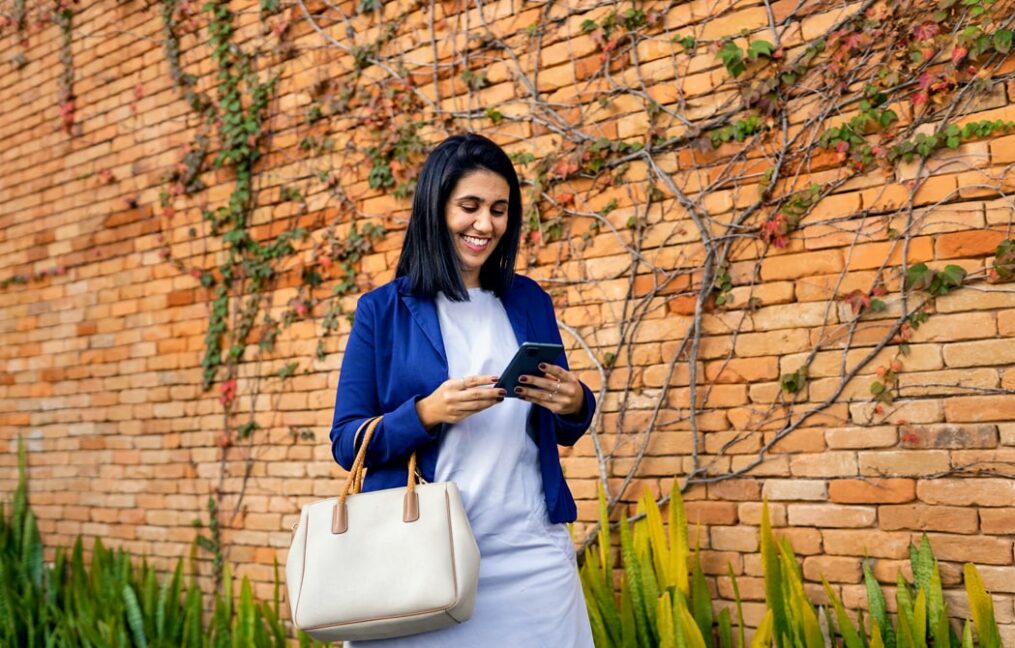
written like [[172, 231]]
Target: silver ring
[[555, 389]]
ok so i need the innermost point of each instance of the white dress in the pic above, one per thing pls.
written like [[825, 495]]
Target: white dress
[[529, 594]]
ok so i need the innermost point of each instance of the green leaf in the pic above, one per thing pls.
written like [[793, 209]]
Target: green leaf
[[846, 627], [134, 616], [773, 575], [701, 600], [759, 48], [982, 608], [876, 604], [918, 277]]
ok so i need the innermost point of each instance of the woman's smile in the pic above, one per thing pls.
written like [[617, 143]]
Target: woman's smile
[[476, 243]]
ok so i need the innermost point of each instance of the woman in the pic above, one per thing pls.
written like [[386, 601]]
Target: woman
[[425, 351]]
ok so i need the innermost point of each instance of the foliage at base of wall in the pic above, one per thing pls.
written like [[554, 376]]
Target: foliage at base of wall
[[112, 601], [665, 604]]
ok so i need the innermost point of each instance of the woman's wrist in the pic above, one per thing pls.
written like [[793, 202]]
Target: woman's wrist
[[426, 416]]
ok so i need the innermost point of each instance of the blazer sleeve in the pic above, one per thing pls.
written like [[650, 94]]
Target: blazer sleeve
[[570, 427], [356, 401]]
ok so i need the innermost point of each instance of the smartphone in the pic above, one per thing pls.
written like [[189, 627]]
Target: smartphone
[[526, 363]]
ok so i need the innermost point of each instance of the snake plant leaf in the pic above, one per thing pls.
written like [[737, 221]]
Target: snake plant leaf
[[664, 614], [904, 605], [937, 614], [905, 623], [967, 635], [725, 629], [634, 580], [679, 551], [773, 576], [246, 616], [878, 606], [920, 620], [876, 641], [657, 535], [982, 608], [846, 627], [942, 631], [647, 576], [628, 623], [690, 633], [605, 550], [922, 561], [701, 599], [31, 549], [763, 637], [602, 598], [600, 637], [741, 641], [135, 619]]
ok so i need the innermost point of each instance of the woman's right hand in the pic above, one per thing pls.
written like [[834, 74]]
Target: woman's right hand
[[458, 398]]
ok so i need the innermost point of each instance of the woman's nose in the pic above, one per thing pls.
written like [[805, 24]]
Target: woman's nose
[[483, 222]]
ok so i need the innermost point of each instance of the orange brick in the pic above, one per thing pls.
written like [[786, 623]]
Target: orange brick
[[920, 517], [967, 244], [871, 491]]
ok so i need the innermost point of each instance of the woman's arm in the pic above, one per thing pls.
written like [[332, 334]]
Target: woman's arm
[[569, 427], [356, 400]]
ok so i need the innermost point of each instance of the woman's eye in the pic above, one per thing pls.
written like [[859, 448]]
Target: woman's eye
[[469, 208]]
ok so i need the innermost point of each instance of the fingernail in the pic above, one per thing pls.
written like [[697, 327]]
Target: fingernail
[[518, 390], [542, 367], [523, 379], [502, 392], [500, 399]]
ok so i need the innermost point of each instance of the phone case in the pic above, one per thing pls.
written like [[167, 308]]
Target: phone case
[[526, 363]]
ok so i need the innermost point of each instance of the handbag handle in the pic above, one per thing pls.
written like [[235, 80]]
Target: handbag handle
[[354, 482]]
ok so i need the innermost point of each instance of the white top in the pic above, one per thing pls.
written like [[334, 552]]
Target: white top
[[529, 593]]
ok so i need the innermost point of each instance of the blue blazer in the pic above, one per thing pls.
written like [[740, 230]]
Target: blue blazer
[[395, 356]]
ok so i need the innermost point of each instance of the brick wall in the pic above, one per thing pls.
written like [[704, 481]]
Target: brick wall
[[103, 323]]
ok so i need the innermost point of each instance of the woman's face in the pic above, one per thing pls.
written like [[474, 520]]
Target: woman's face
[[477, 216]]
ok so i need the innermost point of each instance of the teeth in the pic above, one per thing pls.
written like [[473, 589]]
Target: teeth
[[478, 242]]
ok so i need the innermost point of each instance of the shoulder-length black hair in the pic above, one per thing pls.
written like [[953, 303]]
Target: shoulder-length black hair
[[428, 258]]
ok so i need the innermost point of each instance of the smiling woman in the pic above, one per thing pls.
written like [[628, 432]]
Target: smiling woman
[[425, 352], [477, 217]]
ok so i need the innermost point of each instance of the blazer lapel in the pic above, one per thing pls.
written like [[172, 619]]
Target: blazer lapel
[[424, 312], [514, 305]]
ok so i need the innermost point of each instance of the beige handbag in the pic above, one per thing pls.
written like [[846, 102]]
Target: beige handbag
[[382, 564]]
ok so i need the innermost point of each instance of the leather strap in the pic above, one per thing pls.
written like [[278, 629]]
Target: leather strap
[[354, 480]]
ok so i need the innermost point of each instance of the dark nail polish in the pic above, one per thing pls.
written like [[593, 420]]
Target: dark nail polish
[[518, 390], [502, 392], [542, 367], [499, 399], [523, 379]]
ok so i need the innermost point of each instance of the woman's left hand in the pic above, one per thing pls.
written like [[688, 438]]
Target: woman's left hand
[[558, 391]]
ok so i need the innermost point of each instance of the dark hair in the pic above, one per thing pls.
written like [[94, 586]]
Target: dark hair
[[428, 256]]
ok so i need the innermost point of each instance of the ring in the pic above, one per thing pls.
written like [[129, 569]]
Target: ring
[[555, 389]]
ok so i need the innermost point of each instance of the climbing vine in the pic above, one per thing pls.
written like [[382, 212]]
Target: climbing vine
[[63, 16]]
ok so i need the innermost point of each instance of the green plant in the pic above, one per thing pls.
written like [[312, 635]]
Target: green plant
[[111, 600], [664, 600]]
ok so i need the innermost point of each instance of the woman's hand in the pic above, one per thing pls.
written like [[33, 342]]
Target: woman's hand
[[559, 391], [458, 398]]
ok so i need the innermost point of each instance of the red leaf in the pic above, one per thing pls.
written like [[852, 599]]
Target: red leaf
[[919, 98], [926, 30], [565, 167], [958, 54], [565, 199], [925, 80], [858, 300]]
